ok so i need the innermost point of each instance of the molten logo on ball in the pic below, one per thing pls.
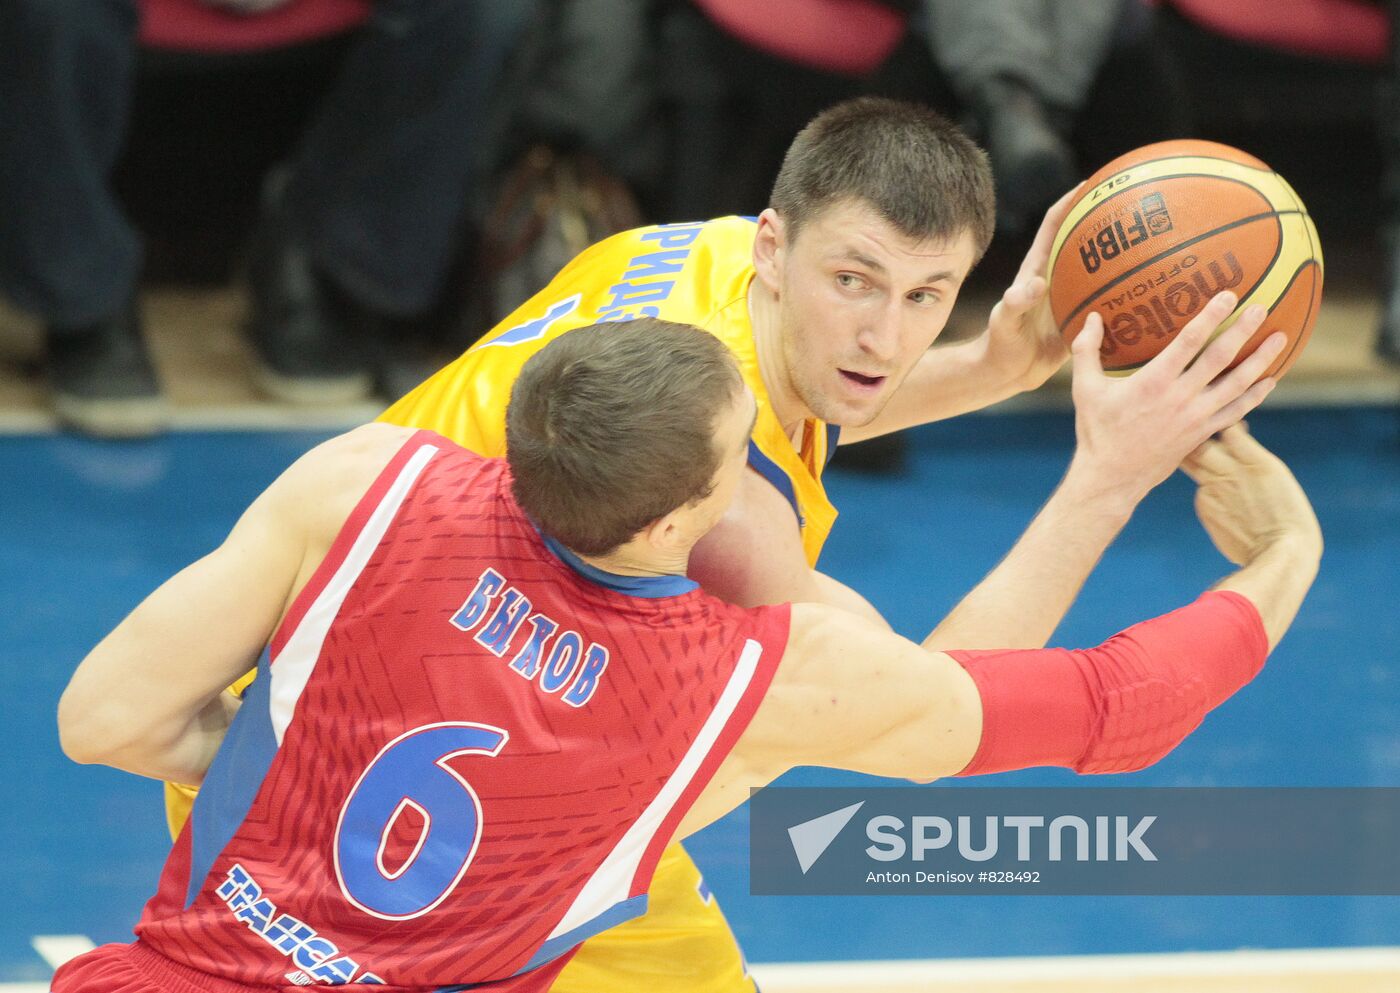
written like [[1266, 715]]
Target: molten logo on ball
[[1164, 313]]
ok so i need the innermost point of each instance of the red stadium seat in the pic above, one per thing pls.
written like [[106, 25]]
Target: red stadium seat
[[1353, 30], [851, 37], [191, 26]]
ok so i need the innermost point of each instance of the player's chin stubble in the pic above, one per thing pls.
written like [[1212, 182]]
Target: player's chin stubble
[[824, 408]]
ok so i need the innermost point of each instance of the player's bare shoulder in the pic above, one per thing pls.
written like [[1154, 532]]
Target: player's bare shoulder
[[363, 445], [830, 656], [321, 488], [754, 554]]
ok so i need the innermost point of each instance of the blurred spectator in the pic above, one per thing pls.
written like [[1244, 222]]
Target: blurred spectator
[[359, 228], [744, 78], [578, 139], [363, 226], [1388, 342], [1023, 69], [586, 80]]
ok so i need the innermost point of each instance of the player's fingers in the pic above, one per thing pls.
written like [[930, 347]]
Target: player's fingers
[[1088, 367], [1170, 361], [1235, 411], [1233, 384], [1217, 355], [1038, 256], [1234, 435], [1242, 445], [1021, 296], [1204, 461]]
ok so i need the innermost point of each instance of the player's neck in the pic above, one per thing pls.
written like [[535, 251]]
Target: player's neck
[[765, 317], [634, 561]]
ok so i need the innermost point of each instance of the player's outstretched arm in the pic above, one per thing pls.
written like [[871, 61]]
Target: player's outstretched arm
[[1131, 433], [853, 696], [149, 698]]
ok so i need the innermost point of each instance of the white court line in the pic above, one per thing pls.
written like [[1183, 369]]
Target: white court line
[[55, 949], [59, 948], [878, 974], [872, 976]]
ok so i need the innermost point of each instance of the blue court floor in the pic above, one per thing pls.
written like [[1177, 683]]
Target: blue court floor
[[88, 528]]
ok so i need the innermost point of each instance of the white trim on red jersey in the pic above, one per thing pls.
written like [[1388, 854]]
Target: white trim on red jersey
[[612, 883], [292, 667]]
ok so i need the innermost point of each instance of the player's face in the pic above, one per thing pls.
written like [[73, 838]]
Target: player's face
[[859, 304]]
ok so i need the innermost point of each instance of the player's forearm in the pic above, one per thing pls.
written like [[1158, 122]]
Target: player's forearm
[[1021, 602], [1123, 705], [147, 698], [1277, 580], [964, 377]]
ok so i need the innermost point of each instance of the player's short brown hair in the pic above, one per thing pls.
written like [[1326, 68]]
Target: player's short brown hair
[[612, 426], [917, 169]]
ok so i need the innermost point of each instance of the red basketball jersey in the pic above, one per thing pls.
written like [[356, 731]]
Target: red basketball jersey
[[463, 755]]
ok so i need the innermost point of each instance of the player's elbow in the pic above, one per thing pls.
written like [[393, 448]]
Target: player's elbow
[[93, 730], [950, 727], [75, 736]]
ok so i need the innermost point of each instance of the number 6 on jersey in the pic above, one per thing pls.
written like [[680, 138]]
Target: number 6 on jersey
[[412, 772]]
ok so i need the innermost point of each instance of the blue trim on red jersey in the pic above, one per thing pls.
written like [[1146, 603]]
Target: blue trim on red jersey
[[648, 587], [833, 438], [233, 781], [770, 471], [626, 910]]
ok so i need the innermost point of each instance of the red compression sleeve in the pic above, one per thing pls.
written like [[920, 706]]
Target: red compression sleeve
[[1123, 705]]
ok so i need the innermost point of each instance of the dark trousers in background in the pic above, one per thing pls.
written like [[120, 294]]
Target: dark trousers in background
[[1053, 46], [378, 184], [67, 254]]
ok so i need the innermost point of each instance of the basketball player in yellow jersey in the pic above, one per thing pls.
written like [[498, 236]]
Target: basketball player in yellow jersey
[[830, 300]]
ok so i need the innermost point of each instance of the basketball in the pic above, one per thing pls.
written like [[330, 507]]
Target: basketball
[[1159, 231]]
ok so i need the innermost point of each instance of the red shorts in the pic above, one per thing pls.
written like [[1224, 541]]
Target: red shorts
[[136, 968]]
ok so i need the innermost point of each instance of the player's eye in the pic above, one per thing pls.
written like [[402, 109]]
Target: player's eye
[[849, 281], [924, 297]]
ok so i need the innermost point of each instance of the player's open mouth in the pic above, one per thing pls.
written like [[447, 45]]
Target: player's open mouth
[[862, 382]]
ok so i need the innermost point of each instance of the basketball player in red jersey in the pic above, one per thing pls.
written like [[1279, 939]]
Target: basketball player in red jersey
[[491, 697]]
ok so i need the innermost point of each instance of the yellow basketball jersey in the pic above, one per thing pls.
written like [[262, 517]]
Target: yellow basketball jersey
[[694, 273]]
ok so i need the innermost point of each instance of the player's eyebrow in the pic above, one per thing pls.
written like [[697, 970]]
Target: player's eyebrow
[[860, 258]]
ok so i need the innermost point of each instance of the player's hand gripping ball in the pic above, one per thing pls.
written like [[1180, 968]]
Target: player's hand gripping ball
[[1158, 232]]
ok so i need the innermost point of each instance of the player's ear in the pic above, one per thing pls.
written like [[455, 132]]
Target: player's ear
[[770, 249], [663, 533]]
